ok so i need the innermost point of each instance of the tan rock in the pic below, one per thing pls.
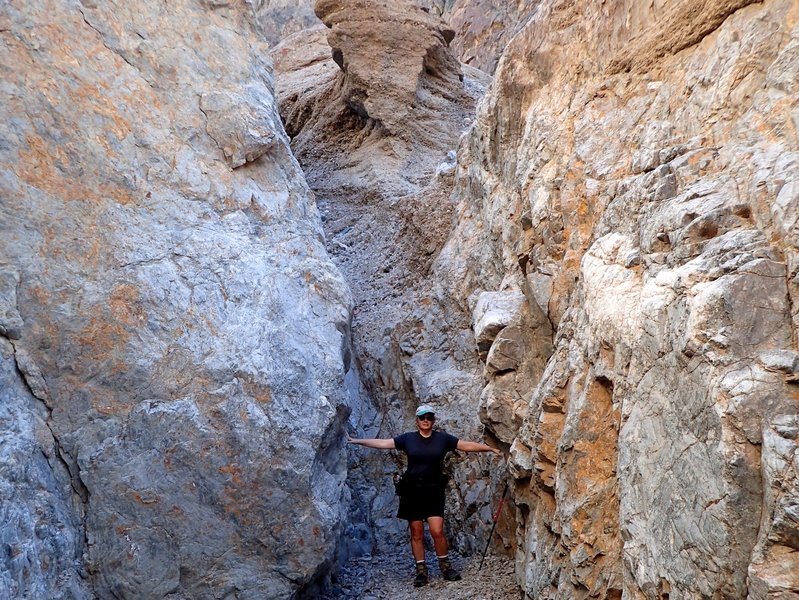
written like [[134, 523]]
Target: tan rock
[[366, 37]]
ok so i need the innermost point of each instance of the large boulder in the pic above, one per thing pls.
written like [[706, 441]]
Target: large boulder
[[170, 306]]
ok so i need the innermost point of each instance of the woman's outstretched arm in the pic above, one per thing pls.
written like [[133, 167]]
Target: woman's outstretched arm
[[379, 443], [465, 446]]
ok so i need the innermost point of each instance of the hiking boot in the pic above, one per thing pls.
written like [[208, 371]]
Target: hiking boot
[[421, 575], [447, 571]]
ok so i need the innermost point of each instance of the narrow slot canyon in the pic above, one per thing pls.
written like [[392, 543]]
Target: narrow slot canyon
[[235, 234], [383, 183]]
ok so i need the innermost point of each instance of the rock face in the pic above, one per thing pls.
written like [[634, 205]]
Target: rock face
[[167, 300], [280, 18], [632, 175], [484, 27], [40, 529]]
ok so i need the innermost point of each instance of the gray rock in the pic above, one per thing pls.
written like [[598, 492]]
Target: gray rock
[[33, 376], [784, 361], [182, 319], [10, 322], [40, 518], [241, 122], [492, 312]]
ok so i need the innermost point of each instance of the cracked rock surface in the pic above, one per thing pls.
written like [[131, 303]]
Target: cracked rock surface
[[165, 285], [41, 528]]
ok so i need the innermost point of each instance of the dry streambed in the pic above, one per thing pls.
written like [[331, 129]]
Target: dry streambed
[[391, 576]]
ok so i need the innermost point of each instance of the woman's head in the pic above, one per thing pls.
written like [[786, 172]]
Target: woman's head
[[425, 417]]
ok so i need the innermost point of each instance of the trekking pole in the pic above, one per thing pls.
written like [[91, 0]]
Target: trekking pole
[[494, 526]]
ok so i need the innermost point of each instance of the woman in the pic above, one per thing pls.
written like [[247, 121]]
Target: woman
[[423, 485]]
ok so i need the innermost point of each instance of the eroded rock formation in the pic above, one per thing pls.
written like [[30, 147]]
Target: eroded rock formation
[[167, 301], [481, 28]]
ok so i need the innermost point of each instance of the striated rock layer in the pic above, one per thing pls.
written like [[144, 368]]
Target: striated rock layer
[[630, 184], [174, 337]]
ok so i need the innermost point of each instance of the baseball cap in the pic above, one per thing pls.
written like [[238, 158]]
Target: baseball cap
[[425, 409]]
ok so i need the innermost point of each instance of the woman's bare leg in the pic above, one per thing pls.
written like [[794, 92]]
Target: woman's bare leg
[[417, 539], [436, 525]]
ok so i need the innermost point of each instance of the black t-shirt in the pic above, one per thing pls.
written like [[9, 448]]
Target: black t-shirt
[[425, 455]]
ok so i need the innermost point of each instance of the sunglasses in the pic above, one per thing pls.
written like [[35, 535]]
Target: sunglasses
[[427, 417]]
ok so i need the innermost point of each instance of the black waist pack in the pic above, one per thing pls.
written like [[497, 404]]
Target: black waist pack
[[400, 484]]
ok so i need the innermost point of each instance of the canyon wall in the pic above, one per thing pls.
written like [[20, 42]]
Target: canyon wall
[[174, 361], [630, 184]]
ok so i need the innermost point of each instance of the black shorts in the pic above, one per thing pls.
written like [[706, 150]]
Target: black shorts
[[419, 502]]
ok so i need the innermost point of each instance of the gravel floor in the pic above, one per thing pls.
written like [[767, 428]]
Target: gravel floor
[[384, 576]]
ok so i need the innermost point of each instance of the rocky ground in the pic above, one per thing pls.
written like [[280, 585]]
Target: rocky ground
[[391, 576]]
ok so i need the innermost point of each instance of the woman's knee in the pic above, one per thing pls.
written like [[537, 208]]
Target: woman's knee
[[417, 530], [436, 529]]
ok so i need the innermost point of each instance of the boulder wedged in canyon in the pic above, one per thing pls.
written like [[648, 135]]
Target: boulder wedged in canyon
[[383, 71], [632, 171], [375, 104], [420, 95], [167, 300], [481, 28]]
